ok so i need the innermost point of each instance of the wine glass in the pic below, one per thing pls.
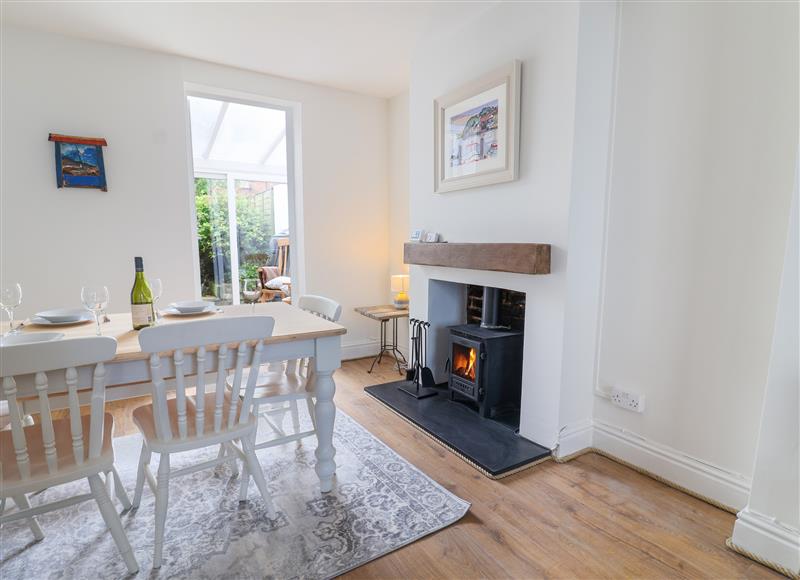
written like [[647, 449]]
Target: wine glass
[[158, 288], [251, 292], [10, 298], [95, 298]]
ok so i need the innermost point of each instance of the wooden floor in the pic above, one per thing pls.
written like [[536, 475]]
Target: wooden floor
[[589, 518]]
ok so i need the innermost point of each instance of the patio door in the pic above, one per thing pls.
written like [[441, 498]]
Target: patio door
[[242, 201]]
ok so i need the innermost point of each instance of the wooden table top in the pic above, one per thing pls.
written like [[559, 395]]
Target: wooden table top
[[291, 324], [382, 312]]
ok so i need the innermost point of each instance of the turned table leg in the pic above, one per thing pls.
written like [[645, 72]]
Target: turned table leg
[[327, 359]]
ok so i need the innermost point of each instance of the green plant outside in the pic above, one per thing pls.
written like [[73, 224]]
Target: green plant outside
[[255, 227]]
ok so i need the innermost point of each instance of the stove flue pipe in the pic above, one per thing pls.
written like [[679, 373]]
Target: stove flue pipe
[[490, 314]]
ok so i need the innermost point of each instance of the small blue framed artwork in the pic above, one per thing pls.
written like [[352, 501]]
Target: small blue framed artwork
[[79, 161]]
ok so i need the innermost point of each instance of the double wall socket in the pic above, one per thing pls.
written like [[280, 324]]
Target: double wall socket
[[626, 400]]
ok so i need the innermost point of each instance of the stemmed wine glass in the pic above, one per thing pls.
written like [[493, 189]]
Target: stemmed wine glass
[[158, 288], [251, 292], [10, 298], [95, 298]]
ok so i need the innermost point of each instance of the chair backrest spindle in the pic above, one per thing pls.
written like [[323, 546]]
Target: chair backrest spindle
[[48, 435], [200, 392], [98, 404], [219, 394], [160, 411], [75, 423], [180, 393], [17, 433], [241, 356]]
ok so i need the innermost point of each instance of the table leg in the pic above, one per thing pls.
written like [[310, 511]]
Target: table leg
[[394, 349], [382, 347], [328, 359]]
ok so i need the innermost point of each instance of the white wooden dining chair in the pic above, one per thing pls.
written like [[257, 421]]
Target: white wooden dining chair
[[289, 382], [55, 451], [207, 419]]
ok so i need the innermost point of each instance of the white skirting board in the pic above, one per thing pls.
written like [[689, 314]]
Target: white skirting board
[[360, 349], [365, 348], [770, 540], [724, 487], [574, 438]]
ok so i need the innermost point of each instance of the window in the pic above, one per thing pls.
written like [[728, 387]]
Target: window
[[241, 194]]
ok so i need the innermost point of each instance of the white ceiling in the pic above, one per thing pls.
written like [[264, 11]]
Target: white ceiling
[[358, 46]]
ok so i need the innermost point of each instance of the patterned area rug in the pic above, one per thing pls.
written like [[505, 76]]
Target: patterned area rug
[[380, 503]]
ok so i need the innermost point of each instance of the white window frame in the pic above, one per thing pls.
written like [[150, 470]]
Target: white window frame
[[216, 170]]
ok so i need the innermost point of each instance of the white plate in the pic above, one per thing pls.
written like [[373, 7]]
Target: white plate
[[63, 314], [191, 306], [171, 311], [86, 317], [30, 338]]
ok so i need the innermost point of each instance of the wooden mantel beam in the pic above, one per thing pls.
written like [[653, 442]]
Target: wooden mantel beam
[[515, 258]]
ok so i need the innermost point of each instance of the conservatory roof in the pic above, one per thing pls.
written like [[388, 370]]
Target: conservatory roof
[[230, 137]]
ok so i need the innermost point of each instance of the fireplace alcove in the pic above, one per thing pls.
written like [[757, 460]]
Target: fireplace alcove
[[473, 413]]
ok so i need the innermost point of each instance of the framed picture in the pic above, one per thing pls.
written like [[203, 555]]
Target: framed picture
[[476, 131], [79, 161]]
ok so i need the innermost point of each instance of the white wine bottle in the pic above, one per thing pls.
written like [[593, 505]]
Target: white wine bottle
[[142, 311]]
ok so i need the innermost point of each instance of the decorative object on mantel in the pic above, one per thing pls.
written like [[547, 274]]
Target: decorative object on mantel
[[424, 236], [400, 291], [520, 258], [476, 131], [79, 161]]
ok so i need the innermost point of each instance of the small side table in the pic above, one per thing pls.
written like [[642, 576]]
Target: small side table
[[384, 314]]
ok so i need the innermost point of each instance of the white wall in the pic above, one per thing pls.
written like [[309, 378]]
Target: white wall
[[54, 240], [594, 106], [770, 524], [535, 208], [398, 194], [703, 161]]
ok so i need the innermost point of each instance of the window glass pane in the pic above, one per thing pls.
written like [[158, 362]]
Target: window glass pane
[[276, 161], [248, 133], [204, 113], [262, 219], [213, 237]]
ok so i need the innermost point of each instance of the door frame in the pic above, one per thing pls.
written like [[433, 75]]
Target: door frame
[[293, 111]]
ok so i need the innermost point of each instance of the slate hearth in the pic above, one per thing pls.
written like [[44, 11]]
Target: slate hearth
[[494, 448]]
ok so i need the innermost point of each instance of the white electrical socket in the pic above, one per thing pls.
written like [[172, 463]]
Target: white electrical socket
[[629, 401]]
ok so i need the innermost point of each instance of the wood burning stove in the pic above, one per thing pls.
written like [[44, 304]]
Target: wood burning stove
[[486, 364]]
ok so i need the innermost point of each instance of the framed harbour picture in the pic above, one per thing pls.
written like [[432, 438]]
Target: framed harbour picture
[[476, 131], [79, 161]]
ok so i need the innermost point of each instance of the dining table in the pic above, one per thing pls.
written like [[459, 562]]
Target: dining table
[[297, 334]]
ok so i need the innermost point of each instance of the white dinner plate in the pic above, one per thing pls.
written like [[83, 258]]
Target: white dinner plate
[[59, 315], [191, 306], [85, 317], [172, 311], [29, 338]]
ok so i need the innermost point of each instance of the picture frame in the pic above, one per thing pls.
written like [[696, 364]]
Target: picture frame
[[79, 161], [476, 131]]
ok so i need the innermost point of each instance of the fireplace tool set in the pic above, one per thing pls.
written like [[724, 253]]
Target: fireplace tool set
[[420, 382]]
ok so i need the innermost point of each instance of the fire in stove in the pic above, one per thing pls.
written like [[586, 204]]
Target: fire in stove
[[464, 361]]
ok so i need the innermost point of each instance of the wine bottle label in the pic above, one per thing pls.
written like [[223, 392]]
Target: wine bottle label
[[142, 315]]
